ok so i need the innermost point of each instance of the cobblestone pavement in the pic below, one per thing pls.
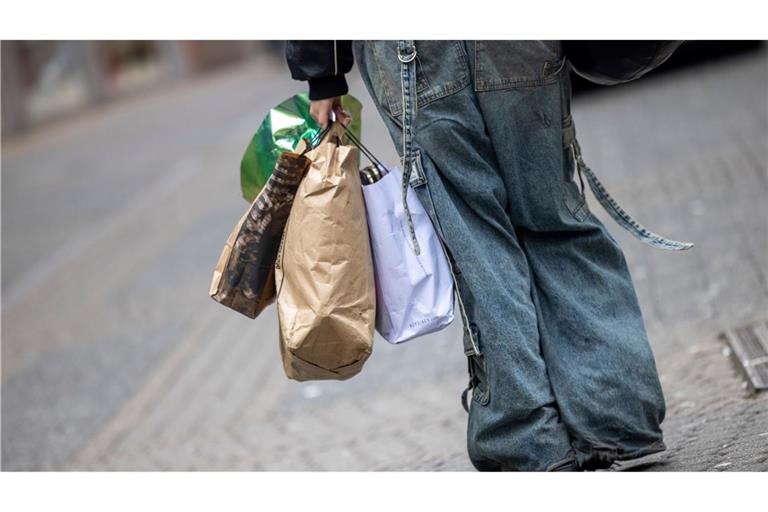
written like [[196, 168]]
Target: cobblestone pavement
[[115, 358]]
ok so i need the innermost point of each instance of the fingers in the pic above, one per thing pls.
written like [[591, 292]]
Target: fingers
[[320, 110], [342, 116]]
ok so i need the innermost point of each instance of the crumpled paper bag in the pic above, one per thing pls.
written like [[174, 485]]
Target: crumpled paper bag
[[326, 298]]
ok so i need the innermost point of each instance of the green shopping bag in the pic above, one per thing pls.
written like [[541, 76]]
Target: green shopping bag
[[282, 129]]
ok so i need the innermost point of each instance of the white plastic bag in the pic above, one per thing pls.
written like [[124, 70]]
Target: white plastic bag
[[414, 294]]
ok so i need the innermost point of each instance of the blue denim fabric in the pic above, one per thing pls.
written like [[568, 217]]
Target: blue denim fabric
[[560, 365]]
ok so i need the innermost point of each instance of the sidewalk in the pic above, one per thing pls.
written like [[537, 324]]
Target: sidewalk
[[115, 358]]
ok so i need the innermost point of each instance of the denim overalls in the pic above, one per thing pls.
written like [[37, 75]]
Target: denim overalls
[[561, 371]]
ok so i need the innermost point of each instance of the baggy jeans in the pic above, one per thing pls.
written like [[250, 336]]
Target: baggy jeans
[[561, 371]]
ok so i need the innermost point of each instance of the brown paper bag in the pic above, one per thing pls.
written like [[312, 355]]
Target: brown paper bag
[[244, 276], [326, 298]]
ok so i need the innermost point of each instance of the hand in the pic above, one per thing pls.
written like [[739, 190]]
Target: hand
[[320, 110]]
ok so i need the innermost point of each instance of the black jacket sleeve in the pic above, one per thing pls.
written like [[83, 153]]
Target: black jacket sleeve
[[322, 64]]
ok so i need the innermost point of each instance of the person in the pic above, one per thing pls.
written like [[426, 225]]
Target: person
[[561, 373]]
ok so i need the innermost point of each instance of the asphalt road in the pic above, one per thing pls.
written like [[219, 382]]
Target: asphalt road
[[114, 357]]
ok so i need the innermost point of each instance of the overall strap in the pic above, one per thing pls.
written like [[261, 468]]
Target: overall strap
[[618, 213], [406, 54]]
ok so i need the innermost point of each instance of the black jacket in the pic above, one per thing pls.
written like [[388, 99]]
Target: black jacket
[[322, 64]]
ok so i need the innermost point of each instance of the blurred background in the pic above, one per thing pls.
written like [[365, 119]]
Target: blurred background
[[120, 185]]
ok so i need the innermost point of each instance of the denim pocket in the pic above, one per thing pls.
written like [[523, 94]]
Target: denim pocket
[[441, 69], [510, 64]]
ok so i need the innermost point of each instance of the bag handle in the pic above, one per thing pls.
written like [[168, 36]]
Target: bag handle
[[318, 138], [315, 141], [364, 150]]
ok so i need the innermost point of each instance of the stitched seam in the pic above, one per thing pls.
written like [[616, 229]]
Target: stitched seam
[[444, 245], [513, 83]]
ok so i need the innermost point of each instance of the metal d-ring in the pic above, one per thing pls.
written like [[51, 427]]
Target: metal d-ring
[[407, 58]]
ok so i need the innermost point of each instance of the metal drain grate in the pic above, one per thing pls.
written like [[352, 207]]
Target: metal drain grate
[[749, 348]]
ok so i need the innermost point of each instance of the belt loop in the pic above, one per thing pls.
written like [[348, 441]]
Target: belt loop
[[406, 54]]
